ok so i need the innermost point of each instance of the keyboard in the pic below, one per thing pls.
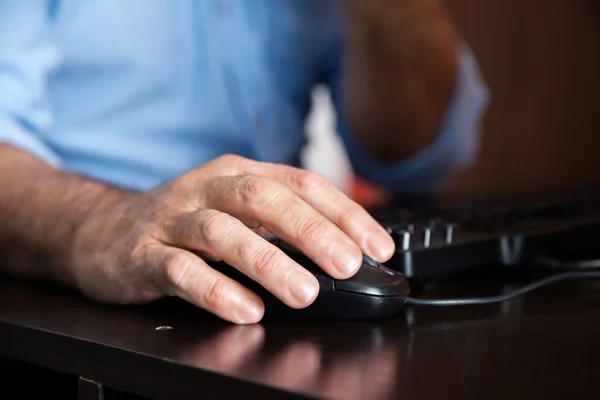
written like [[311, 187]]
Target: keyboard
[[435, 239]]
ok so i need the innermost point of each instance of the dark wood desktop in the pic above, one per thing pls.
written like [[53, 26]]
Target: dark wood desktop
[[545, 345]]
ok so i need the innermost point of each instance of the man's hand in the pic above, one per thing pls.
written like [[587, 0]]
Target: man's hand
[[137, 247]]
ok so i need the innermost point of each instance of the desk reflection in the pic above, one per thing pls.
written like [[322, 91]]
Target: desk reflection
[[364, 368]]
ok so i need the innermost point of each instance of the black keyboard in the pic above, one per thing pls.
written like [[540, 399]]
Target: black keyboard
[[434, 239]]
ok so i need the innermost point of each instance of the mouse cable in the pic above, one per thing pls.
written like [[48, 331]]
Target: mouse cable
[[503, 297], [551, 262]]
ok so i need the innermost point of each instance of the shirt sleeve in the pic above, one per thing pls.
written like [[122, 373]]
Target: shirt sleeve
[[456, 144], [28, 55]]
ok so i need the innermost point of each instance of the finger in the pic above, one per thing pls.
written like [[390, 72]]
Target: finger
[[282, 212], [179, 273], [249, 253], [327, 199]]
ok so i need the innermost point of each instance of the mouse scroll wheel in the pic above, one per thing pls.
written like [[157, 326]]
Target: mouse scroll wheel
[[369, 261]]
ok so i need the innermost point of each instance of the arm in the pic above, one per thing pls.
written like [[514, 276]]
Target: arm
[[41, 209], [123, 247], [422, 167], [400, 68]]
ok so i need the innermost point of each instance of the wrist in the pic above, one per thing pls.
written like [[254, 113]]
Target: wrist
[[103, 222]]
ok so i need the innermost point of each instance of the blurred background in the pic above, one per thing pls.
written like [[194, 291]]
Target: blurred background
[[541, 61]]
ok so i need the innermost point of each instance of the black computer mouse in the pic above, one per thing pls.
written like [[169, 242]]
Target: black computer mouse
[[375, 291]]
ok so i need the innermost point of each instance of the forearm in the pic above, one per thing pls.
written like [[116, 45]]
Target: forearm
[[41, 210], [400, 69]]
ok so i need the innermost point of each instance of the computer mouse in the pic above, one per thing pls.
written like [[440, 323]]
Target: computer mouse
[[374, 292]]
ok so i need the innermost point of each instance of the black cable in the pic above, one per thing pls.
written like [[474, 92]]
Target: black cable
[[503, 297], [551, 262]]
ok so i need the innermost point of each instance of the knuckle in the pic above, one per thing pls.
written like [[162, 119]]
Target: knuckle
[[308, 180], [226, 164], [233, 162], [214, 295], [177, 269], [266, 261], [231, 159], [215, 226], [348, 214], [255, 190], [312, 230], [292, 207]]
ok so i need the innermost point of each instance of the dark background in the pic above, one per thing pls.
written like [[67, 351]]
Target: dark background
[[540, 59]]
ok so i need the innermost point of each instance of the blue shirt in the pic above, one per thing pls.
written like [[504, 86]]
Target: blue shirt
[[136, 92]]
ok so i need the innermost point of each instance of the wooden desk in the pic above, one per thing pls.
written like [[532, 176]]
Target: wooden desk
[[546, 346]]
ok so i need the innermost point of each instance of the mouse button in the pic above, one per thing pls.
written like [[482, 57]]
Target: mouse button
[[325, 283], [369, 261], [390, 271], [373, 282]]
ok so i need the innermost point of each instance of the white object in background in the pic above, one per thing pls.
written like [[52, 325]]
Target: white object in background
[[324, 152]]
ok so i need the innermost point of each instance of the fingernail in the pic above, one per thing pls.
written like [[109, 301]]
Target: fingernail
[[302, 287], [381, 246], [346, 259], [249, 311]]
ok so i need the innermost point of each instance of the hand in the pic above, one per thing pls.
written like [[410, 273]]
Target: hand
[[141, 247]]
